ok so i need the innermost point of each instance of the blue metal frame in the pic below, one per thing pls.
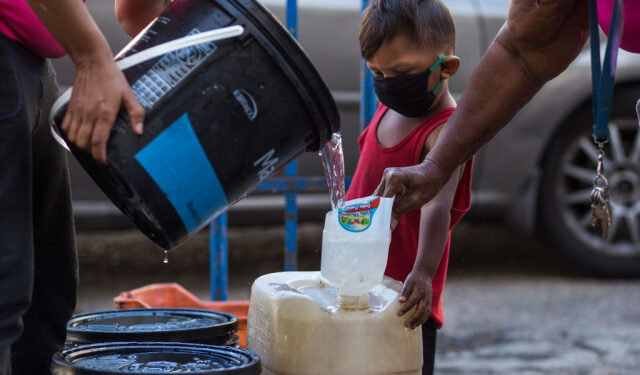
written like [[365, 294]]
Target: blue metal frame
[[367, 95], [290, 185], [291, 170], [219, 258]]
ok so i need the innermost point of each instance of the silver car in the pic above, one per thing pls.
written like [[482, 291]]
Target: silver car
[[535, 175]]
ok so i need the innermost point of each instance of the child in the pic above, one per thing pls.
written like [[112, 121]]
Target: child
[[409, 45]]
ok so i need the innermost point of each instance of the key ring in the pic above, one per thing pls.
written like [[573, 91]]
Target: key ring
[[601, 155], [600, 181]]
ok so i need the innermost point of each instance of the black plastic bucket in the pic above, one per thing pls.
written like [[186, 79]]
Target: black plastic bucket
[[154, 358], [157, 325], [221, 117], [234, 341]]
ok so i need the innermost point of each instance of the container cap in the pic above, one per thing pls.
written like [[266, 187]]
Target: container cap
[[161, 325], [154, 358]]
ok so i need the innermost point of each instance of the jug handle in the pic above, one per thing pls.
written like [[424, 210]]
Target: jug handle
[[146, 55]]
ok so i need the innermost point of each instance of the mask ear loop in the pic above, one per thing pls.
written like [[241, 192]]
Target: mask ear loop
[[440, 60]]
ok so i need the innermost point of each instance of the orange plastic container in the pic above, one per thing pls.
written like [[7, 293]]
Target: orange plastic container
[[172, 295]]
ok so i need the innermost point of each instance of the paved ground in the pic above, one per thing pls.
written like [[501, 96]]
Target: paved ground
[[509, 307], [533, 325]]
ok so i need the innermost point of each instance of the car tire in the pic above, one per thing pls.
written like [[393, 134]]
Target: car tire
[[564, 203]]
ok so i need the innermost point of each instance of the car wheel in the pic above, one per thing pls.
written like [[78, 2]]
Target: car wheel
[[564, 201]]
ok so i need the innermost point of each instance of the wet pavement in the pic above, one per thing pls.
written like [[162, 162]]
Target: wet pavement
[[510, 308], [540, 325]]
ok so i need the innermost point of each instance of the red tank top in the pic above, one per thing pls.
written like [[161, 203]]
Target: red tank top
[[374, 159]]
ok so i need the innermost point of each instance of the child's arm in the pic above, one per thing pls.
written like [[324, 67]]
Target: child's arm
[[135, 15], [434, 229]]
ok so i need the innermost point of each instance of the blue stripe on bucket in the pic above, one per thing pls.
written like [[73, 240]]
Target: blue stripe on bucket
[[179, 166]]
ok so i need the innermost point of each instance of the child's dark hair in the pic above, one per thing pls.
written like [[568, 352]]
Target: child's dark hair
[[423, 22]]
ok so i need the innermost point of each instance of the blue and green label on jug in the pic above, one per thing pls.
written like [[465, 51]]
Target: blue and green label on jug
[[358, 217]]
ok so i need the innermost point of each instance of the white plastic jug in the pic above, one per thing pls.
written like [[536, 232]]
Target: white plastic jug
[[296, 328], [355, 246]]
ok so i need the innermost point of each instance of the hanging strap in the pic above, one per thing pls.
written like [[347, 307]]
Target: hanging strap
[[603, 79]]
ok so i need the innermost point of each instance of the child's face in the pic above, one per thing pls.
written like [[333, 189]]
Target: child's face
[[407, 77], [399, 56]]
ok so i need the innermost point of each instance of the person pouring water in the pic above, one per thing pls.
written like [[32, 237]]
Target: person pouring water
[[537, 42], [38, 265]]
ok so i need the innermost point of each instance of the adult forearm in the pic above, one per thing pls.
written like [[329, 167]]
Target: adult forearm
[[497, 89], [78, 34], [538, 42], [535, 45], [100, 89], [135, 15], [73, 27]]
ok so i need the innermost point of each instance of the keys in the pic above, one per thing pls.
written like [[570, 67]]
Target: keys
[[601, 212], [601, 209]]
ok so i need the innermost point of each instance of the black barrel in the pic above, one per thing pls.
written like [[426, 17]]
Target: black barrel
[[220, 118], [154, 358], [233, 341], [158, 325]]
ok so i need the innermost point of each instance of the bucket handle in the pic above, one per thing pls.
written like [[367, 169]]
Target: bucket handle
[[146, 55]]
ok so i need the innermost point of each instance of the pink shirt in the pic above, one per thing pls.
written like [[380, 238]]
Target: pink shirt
[[18, 22]]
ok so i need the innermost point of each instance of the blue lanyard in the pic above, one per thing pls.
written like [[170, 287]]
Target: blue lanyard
[[603, 79]]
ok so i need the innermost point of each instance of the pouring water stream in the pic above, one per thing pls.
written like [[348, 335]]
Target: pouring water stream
[[332, 159]]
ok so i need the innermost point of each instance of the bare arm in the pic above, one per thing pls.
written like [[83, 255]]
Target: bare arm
[[99, 88], [135, 15], [536, 44], [435, 218]]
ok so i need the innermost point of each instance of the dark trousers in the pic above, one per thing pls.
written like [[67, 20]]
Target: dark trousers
[[38, 264], [428, 347]]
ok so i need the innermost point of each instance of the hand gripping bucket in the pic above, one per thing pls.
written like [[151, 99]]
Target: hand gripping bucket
[[230, 98]]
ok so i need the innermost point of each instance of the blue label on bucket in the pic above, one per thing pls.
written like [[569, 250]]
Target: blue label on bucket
[[179, 166]]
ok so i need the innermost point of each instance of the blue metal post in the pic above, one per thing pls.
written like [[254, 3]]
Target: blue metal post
[[292, 17], [219, 259], [291, 170], [367, 95]]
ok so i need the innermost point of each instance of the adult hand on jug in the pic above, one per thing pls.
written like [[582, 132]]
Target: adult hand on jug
[[412, 187], [99, 88]]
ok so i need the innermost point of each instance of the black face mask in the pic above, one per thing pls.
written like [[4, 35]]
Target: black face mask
[[407, 94]]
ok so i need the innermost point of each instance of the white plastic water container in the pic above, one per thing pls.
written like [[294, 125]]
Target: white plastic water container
[[297, 328], [355, 245]]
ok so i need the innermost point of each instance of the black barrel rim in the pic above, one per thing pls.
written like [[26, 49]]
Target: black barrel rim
[[237, 361], [221, 328]]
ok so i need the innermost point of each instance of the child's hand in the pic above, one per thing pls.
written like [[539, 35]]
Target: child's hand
[[416, 292]]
